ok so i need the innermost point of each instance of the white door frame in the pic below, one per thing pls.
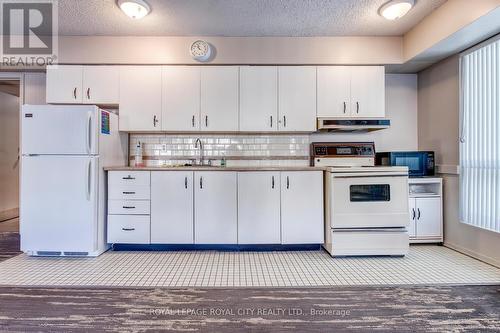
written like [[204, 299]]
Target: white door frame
[[14, 76]]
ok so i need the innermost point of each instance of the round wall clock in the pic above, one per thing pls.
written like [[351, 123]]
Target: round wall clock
[[200, 50]]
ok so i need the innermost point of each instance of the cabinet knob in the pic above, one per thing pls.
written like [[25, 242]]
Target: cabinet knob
[[74, 93], [287, 182], [357, 107], [88, 93], [345, 107]]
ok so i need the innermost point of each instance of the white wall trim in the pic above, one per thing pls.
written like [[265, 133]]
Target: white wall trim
[[473, 254]]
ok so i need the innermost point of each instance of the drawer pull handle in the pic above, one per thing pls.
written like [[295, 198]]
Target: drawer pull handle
[[129, 207], [128, 192], [128, 178], [128, 229]]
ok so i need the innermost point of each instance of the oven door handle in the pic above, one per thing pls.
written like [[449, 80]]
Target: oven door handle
[[369, 175]]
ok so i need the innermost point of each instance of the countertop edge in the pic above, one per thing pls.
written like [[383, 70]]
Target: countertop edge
[[284, 168]]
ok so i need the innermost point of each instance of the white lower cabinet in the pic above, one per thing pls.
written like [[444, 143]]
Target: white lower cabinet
[[259, 208], [128, 229], [426, 213], [215, 209], [302, 207], [172, 207]]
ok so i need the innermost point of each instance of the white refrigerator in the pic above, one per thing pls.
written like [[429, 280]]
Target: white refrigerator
[[63, 185]]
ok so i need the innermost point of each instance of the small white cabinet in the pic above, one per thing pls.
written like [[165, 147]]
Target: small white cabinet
[[368, 91], [172, 207], [426, 216], [297, 98], [181, 98], [101, 84], [219, 98], [140, 98], [302, 214], [258, 98], [215, 207], [351, 91], [259, 208], [83, 84], [64, 84]]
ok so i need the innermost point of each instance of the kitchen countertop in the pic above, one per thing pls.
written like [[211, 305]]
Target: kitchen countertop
[[214, 168]]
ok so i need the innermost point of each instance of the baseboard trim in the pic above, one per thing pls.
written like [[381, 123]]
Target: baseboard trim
[[473, 254], [9, 214]]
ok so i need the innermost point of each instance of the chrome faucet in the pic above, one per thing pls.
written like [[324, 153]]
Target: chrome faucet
[[201, 161]]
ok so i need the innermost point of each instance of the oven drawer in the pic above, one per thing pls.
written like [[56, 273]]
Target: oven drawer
[[369, 202], [369, 243]]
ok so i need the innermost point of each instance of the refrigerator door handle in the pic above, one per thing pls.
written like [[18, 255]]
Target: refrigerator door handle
[[89, 134], [89, 170]]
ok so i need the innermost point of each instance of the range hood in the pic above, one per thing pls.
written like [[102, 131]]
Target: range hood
[[352, 125]]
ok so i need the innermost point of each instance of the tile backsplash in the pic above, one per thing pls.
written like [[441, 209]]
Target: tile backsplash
[[238, 150]]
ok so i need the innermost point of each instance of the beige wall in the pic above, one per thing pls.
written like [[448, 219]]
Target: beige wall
[[34, 88], [231, 50], [401, 109], [438, 128], [9, 143]]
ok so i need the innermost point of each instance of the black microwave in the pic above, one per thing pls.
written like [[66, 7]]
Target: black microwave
[[419, 163]]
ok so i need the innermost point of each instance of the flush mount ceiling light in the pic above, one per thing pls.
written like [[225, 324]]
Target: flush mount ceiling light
[[396, 9], [135, 9]]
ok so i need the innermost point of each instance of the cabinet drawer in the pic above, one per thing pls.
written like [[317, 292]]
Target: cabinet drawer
[[127, 178], [129, 207], [128, 229], [130, 192]]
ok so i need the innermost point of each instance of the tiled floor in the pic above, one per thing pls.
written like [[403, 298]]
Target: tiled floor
[[424, 265]]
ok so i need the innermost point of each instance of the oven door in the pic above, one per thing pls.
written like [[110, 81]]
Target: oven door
[[369, 201]]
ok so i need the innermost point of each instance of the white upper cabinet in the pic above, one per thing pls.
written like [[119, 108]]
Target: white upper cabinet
[[172, 220], [215, 207], [181, 98], [140, 98], [101, 84], [64, 84], [297, 98], [334, 91], [258, 98], [259, 208], [68, 84], [302, 207], [219, 98], [368, 91], [351, 91]]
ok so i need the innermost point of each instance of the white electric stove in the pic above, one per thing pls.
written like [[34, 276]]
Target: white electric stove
[[366, 205]]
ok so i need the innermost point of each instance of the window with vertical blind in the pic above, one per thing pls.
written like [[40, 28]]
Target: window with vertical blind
[[480, 136]]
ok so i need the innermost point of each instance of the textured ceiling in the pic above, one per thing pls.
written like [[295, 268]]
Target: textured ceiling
[[239, 18]]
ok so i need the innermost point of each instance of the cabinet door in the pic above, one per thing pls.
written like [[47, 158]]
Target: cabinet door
[[219, 98], [258, 98], [140, 98], [64, 84], [412, 228], [368, 91], [181, 98], [259, 208], [172, 207], [101, 84], [302, 207], [215, 208], [428, 217], [334, 91], [297, 98]]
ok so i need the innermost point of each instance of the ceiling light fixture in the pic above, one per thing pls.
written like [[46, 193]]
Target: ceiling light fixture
[[396, 9], [135, 9]]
